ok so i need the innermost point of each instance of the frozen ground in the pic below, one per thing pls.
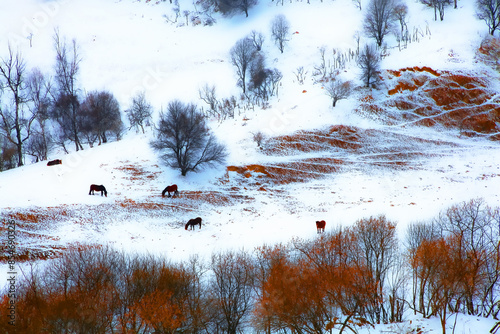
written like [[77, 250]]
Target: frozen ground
[[127, 46]]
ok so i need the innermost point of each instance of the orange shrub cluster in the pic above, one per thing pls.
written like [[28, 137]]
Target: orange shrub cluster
[[330, 282]]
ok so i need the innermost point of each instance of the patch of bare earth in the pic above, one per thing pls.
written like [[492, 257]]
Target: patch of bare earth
[[333, 149], [424, 97]]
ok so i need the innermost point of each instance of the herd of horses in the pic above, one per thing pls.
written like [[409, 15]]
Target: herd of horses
[[170, 191], [173, 191]]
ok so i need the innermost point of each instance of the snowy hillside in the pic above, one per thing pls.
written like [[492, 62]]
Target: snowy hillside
[[338, 164]]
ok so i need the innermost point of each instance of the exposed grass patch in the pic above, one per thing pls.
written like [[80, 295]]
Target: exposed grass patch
[[136, 173], [449, 99]]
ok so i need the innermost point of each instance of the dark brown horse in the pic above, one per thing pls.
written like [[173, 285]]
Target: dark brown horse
[[95, 187], [54, 162], [320, 226], [192, 223], [170, 189]]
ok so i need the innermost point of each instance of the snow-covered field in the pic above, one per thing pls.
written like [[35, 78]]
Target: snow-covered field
[[128, 46]]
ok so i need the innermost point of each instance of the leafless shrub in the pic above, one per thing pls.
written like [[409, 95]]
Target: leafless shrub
[[300, 74], [337, 90], [258, 138]]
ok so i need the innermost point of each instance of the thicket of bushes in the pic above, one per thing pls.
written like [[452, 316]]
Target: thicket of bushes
[[350, 277]]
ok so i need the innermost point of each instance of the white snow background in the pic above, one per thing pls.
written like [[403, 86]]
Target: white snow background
[[128, 46]]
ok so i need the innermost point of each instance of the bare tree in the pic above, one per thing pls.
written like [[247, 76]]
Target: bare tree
[[440, 5], [357, 38], [67, 68], [322, 68], [258, 76], [242, 54], [300, 74], [140, 113], [489, 12], [416, 234], [369, 63], [232, 288], [227, 7], [258, 39], [264, 82], [101, 113], [400, 13], [208, 95], [280, 30], [184, 139], [377, 242], [16, 118], [379, 19], [337, 90], [477, 227], [40, 141]]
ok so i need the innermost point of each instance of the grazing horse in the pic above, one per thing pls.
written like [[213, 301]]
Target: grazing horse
[[192, 223], [95, 187], [170, 189], [54, 162], [320, 226]]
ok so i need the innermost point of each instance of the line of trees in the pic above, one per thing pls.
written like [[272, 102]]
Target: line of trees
[[256, 80], [349, 277], [38, 112]]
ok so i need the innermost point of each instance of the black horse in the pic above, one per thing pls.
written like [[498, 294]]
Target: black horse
[[95, 187], [192, 223], [170, 189]]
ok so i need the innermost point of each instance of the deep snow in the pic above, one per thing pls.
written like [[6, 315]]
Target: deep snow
[[127, 47]]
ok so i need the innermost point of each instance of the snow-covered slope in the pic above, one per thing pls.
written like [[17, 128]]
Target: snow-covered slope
[[128, 46]]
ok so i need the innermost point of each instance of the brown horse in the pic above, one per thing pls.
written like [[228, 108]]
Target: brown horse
[[95, 187], [170, 189], [192, 223], [320, 226], [54, 162]]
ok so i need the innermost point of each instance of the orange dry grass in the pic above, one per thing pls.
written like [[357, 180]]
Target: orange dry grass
[[137, 173], [143, 205], [34, 226], [453, 100], [295, 171], [449, 98], [338, 136], [211, 197]]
